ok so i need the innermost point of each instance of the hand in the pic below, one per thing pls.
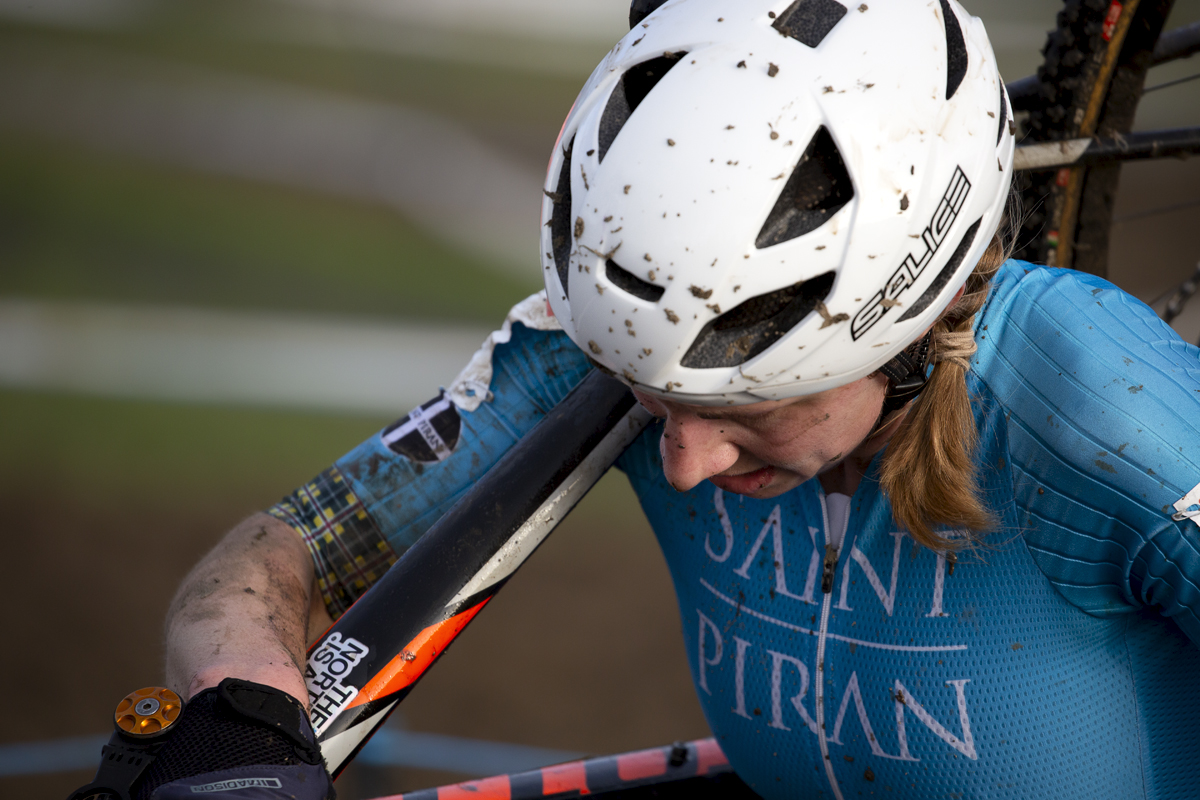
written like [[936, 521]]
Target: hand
[[241, 740]]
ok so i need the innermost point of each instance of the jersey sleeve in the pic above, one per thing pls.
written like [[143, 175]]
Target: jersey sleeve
[[1102, 401], [360, 515]]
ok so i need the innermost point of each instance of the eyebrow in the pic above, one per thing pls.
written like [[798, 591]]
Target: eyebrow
[[725, 415]]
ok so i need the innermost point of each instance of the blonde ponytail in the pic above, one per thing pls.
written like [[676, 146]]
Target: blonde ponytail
[[928, 472]]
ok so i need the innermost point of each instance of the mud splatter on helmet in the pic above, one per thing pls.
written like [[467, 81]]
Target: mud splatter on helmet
[[759, 199]]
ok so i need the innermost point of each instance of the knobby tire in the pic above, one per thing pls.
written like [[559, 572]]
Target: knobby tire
[[1089, 85]]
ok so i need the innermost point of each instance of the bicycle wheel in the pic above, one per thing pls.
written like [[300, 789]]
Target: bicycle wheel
[[1088, 86]]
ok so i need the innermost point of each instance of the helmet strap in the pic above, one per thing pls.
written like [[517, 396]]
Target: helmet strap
[[906, 374]]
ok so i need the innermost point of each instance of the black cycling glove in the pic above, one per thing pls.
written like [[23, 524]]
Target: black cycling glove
[[239, 741]]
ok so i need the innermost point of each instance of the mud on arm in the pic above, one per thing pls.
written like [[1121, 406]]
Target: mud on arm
[[246, 611]]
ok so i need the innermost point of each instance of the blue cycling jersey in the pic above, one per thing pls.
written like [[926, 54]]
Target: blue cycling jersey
[[1053, 660]]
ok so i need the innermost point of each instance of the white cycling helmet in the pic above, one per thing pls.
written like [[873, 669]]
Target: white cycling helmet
[[760, 199]]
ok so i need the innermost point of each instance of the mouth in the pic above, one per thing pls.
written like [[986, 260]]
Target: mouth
[[747, 482]]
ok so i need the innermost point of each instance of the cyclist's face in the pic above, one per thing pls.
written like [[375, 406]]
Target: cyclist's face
[[765, 449]]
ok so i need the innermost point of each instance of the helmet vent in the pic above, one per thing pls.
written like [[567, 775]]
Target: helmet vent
[[746, 330], [629, 93], [626, 281], [818, 187], [809, 21], [1003, 116], [943, 277], [640, 9], [560, 218], [956, 50]]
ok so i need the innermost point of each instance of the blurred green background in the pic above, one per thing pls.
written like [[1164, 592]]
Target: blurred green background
[[363, 165]]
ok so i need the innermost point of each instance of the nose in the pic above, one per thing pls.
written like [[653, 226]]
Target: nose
[[694, 449]]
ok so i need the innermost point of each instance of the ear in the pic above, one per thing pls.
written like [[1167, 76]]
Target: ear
[[957, 296]]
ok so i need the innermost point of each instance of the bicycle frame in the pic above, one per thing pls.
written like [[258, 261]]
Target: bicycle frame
[[691, 770], [369, 660]]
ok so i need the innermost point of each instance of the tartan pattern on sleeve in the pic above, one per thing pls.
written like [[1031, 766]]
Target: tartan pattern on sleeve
[[348, 549]]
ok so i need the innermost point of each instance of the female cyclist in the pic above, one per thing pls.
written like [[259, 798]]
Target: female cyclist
[[925, 509]]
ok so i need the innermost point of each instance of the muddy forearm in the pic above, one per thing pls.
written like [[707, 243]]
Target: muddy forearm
[[243, 612]]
